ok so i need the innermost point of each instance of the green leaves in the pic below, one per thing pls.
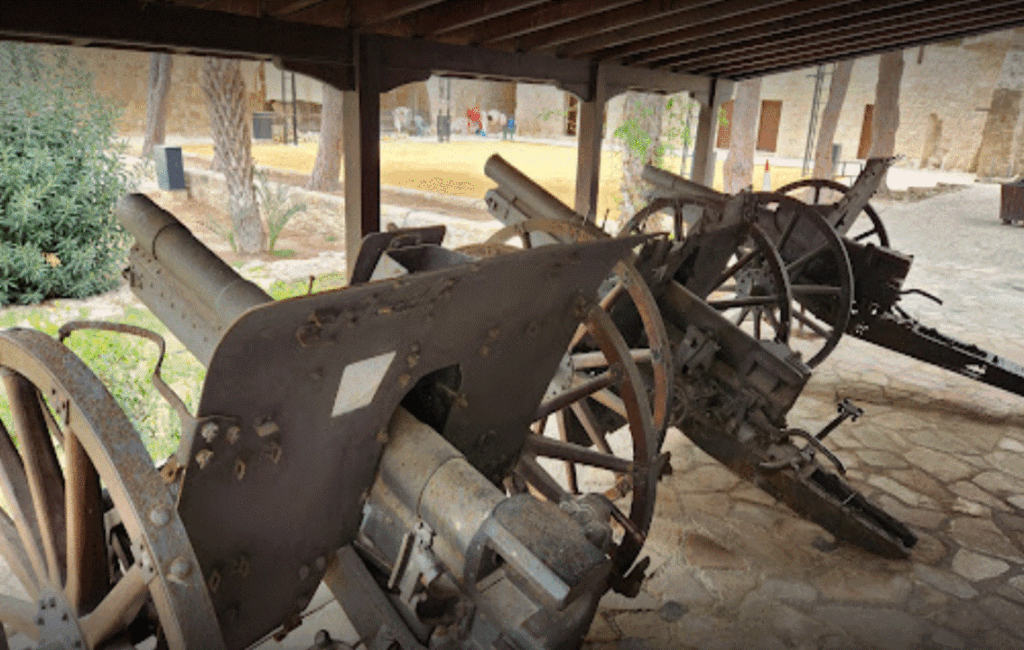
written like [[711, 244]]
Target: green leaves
[[60, 175]]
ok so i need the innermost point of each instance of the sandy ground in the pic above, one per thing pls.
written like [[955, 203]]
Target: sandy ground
[[457, 168]]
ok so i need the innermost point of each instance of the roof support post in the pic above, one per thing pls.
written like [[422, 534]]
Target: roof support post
[[588, 138], [703, 169], [361, 144]]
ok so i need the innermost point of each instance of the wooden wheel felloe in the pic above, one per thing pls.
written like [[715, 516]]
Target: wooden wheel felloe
[[869, 229], [619, 464], [88, 528], [820, 276], [625, 290]]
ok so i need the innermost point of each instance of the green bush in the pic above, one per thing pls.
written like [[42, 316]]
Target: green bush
[[60, 175]]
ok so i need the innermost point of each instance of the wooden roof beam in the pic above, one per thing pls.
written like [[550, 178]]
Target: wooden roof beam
[[816, 24], [500, 31], [459, 14], [712, 30], [705, 20], [899, 37], [879, 22], [174, 28], [604, 22]]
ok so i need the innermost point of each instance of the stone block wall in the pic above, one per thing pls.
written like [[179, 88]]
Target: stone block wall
[[945, 94], [540, 110], [123, 76]]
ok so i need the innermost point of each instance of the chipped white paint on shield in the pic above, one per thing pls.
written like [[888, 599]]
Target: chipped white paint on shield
[[359, 383]]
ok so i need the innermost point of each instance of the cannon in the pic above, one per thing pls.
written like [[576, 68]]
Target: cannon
[[375, 438], [731, 386]]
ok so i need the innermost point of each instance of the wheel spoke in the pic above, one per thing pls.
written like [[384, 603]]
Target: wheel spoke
[[14, 554], [86, 549], [17, 494], [798, 263], [577, 392], [790, 227], [865, 235], [45, 479], [609, 399], [736, 267], [570, 467], [815, 327], [816, 290], [574, 453], [596, 359], [586, 417], [117, 609], [748, 301], [19, 616], [537, 476], [743, 316], [613, 295], [628, 525]]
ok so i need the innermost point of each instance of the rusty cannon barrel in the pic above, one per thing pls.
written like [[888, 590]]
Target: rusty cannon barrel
[[516, 187], [192, 290], [671, 185]]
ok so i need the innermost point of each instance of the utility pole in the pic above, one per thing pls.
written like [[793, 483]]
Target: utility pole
[[812, 128]]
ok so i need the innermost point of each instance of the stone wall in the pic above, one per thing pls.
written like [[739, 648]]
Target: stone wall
[[946, 91], [540, 110], [123, 76], [500, 96]]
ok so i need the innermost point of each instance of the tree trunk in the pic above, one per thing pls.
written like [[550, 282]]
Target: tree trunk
[[886, 117], [225, 98], [738, 170], [328, 153], [160, 64], [641, 136], [830, 119]]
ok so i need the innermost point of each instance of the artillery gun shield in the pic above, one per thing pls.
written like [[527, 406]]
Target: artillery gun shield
[[304, 388]]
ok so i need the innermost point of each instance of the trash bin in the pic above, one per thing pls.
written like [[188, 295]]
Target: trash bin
[[444, 127], [263, 126], [170, 171], [837, 156], [1012, 201]]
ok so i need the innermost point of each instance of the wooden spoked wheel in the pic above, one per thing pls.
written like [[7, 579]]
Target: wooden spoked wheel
[[820, 276], [754, 292], [88, 528], [627, 295], [639, 222], [580, 445], [620, 465], [866, 227]]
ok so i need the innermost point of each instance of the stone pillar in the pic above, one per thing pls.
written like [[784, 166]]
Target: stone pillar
[[702, 169], [739, 165]]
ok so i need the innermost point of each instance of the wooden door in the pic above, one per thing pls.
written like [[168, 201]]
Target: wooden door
[[865, 132], [768, 128]]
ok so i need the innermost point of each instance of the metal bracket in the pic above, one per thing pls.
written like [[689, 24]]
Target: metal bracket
[[416, 565]]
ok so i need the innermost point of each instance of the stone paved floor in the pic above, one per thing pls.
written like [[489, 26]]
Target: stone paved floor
[[732, 569]]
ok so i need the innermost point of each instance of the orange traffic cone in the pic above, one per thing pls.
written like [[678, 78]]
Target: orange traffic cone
[[766, 184]]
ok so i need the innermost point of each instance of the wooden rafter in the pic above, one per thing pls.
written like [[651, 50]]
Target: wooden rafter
[[499, 31], [622, 41], [817, 24]]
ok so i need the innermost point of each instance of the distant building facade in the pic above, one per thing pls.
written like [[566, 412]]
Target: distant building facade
[[961, 103]]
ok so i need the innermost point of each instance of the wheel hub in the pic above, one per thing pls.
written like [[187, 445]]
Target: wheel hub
[[57, 622]]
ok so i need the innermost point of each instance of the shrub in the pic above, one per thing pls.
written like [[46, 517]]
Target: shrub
[[60, 175]]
